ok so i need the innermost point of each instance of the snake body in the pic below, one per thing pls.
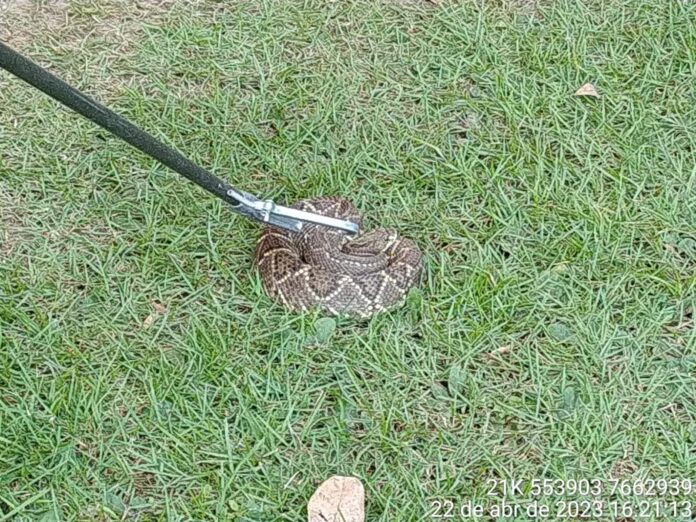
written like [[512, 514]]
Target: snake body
[[325, 268]]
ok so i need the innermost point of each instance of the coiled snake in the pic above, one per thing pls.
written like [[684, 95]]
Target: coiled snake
[[325, 268]]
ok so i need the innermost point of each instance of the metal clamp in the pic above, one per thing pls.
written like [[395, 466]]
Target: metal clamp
[[266, 211]]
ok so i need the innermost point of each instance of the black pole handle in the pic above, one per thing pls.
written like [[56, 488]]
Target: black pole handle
[[57, 89]]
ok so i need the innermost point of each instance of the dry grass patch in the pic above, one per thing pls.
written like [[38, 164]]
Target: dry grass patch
[[82, 41]]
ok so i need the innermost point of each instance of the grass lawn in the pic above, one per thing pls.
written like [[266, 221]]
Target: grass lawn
[[145, 376]]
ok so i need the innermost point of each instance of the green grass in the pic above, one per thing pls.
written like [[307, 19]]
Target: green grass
[[553, 335]]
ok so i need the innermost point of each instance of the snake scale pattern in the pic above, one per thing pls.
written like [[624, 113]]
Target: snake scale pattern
[[325, 268]]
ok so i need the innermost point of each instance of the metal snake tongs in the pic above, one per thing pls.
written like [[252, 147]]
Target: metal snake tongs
[[241, 202], [284, 217]]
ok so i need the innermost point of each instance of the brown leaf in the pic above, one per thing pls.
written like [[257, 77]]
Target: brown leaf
[[147, 323], [338, 499], [159, 307], [587, 90], [500, 351]]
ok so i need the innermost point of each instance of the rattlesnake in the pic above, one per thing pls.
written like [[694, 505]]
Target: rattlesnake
[[324, 268]]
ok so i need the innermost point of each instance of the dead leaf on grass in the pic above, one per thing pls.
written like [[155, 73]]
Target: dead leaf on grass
[[587, 90], [338, 499], [500, 351], [147, 323], [159, 307]]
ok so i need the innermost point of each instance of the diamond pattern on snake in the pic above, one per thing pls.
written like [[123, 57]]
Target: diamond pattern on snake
[[328, 269]]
